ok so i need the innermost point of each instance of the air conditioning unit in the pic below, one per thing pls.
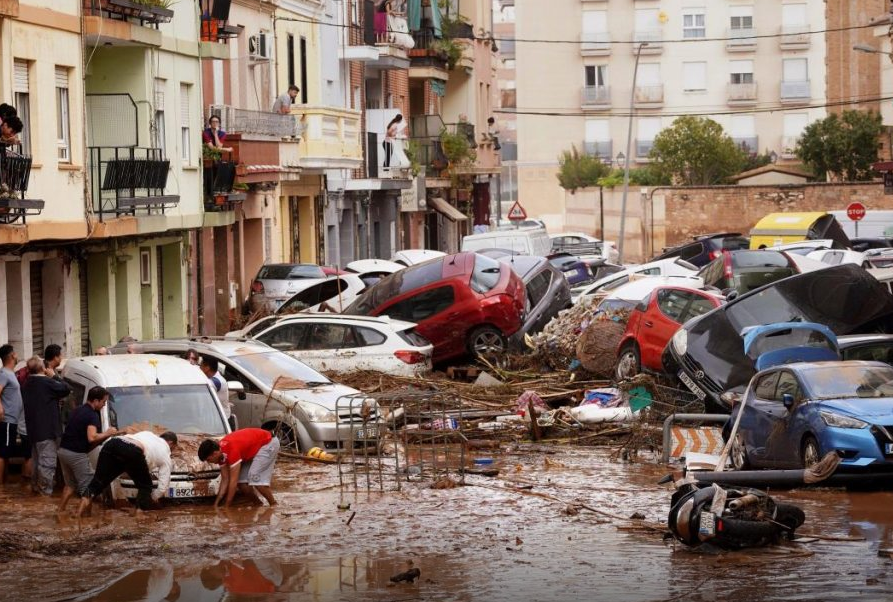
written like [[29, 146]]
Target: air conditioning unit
[[259, 46], [225, 112]]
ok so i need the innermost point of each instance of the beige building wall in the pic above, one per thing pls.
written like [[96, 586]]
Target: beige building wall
[[674, 77]]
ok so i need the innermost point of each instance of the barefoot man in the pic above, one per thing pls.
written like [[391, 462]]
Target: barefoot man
[[246, 458]]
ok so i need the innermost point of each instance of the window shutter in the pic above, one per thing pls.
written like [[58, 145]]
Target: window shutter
[[20, 76], [159, 94], [184, 105], [61, 77]]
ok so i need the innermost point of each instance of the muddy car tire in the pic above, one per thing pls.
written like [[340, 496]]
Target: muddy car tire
[[810, 452], [285, 433], [738, 454], [487, 342], [629, 363]]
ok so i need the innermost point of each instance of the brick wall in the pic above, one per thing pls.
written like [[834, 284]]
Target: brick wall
[[852, 74]]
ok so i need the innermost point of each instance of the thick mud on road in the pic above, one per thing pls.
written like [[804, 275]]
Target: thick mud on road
[[521, 536]]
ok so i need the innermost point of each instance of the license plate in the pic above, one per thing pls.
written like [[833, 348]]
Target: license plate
[[181, 492], [889, 448], [370, 432], [698, 391]]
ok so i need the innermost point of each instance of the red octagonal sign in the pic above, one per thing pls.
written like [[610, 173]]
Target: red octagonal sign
[[855, 211]]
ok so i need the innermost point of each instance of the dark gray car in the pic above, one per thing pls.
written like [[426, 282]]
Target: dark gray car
[[548, 292]]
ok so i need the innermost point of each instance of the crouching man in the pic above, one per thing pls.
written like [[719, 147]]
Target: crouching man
[[246, 458], [138, 455]]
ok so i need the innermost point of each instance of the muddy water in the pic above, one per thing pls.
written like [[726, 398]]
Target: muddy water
[[479, 542]]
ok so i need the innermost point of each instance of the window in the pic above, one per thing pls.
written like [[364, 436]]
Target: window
[[649, 127], [355, 12], [787, 385], [217, 81], [793, 17], [694, 23], [742, 126], [538, 287], [597, 130], [290, 59], [423, 305], [766, 387], [649, 75], [691, 251], [331, 336], [158, 129], [185, 134], [694, 77], [672, 303], [647, 21], [368, 337], [699, 306], [741, 72], [288, 337], [596, 75], [304, 79], [794, 70], [794, 124], [63, 123], [741, 18], [595, 21], [22, 100]]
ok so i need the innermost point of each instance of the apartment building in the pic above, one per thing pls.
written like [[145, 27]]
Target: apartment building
[[507, 124], [751, 66]]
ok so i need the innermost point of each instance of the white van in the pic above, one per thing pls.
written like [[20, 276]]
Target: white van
[[157, 393], [533, 241]]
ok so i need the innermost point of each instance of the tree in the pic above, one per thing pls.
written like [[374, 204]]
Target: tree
[[646, 175], [695, 151], [579, 170], [841, 147]]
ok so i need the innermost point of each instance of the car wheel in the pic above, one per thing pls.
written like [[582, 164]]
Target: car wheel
[[285, 433], [738, 454], [628, 362], [486, 341], [810, 453]]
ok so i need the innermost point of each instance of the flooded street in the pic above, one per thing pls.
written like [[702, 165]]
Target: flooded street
[[508, 538]]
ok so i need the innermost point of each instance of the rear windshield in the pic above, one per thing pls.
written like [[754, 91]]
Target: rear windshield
[[759, 259], [290, 272], [413, 338], [735, 243], [751, 279], [413, 277], [485, 275]]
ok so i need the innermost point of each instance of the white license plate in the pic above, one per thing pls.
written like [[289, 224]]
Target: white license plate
[[888, 448], [181, 492], [698, 391], [370, 432]]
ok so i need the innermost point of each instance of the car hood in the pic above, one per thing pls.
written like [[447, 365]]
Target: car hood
[[325, 396], [877, 410], [844, 298], [185, 457]]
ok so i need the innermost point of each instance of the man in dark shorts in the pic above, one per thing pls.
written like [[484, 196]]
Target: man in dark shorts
[[10, 408], [82, 433], [138, 455], [246, 458]]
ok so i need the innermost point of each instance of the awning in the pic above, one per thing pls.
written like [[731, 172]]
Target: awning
[[448, 210]]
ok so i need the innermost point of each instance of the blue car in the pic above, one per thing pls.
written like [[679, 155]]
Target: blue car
[[793, 414]]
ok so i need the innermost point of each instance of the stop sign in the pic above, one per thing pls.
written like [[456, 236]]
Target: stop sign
[[855, 211]]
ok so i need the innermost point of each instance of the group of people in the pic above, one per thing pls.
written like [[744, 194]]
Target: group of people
[[31, 427]]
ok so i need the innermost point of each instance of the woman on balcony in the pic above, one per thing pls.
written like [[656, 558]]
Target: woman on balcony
[[395, 135], [213, 136], [381, 22]]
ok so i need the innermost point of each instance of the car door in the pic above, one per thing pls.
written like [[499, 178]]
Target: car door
[[249, 411], [657, 326], [758, 420], [291, 338], [337, 343], [783, 443], [440, 319]]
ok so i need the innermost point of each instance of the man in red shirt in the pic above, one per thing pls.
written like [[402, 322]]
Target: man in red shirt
[[246, 458]]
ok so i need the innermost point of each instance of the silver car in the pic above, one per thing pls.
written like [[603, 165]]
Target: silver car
[[276, 283]]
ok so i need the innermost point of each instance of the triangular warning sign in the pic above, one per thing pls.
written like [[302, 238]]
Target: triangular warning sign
[[517, 212]]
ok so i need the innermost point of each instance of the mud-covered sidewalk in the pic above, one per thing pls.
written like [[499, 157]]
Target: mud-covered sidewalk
[[553, 526]]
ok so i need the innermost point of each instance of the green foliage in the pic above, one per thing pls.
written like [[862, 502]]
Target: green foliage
[[696, 151], [412, 153], [458, 151], [579, 170], [450, 49], [638, 176], [210, 153], [756, 160], [841, 147], [156, 3]]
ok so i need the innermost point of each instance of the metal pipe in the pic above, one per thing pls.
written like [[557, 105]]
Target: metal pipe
[[629, 140]]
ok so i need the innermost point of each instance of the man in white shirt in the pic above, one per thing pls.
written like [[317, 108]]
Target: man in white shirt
[[138, 454], [211, 368]]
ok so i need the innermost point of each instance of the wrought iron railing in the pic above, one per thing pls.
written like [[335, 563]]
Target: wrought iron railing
[[15, 172], [257, 123], [125, 180], [125, 10]]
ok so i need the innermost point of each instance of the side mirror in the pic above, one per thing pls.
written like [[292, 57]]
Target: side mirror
[[788, 400], [236, 387]]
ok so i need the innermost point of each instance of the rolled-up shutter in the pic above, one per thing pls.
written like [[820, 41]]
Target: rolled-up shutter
[[61, 77], [20, 77], [37, 307]]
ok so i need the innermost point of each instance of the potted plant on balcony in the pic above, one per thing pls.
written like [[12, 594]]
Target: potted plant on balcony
[[458, 151], [210, 155]]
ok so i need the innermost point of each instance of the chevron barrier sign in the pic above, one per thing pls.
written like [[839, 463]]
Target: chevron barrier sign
[[701, 440]]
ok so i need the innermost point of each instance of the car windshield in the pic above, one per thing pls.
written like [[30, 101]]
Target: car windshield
[[485, 275], [267, 367], [842, 381], [411, 278], [750, 279], [184, 409], [290, 272]]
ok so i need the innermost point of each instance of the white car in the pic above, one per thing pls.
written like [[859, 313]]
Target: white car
[[373, 270], [280, 394], [408, 257], [663, 267], [802, 247], [333, 294], [839, 256], [339, 343]]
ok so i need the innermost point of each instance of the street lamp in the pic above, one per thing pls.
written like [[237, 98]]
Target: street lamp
[[628, 157], [621, 160], [871, 50]]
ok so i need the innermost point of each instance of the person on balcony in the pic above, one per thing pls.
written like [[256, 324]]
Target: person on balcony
[[213, 136], [10, 129], [284, 101], [381, 22], [395, 134]]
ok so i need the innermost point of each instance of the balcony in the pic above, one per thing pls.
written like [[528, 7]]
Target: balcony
[[643, 148], [749, 144], [742, 94], [741, 40], [595, 43], [123, 22], [595, 97], [649, 96], [602, 149], [219, 179], [331, 137], [15, 171], [652, 37], [789, 146], [795, 92], [128, 180], [427, 60], [216, 31], [257, 124], [389, 40], [794, 37], [425, 131]]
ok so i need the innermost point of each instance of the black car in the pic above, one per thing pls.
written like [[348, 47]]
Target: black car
[[704, 249], [707, 353], [867, 244], [746, 270], [548, 292]]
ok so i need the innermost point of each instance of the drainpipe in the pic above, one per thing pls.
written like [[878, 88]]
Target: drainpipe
[[651, 201]]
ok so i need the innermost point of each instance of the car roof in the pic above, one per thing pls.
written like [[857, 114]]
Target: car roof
[[396, 325], [702, 237], [137, 370], [852, 340], [227, 347]]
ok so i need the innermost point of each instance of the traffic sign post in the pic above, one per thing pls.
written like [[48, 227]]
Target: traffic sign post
[[855, 211], [517, 213]]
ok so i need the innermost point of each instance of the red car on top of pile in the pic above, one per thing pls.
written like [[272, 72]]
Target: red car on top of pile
[[462, 303]]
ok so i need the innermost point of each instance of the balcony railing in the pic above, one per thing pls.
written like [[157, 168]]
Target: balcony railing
[[643, 148], [741, 39], [128, 10], [653, 37], [794, 37], [595, 43], [425, 131], [789, 146], [749, 144], [602, 149], [426, 52], [15, 171], [795, 91], [596, 96], [125, 180], [652, 94], [742, 93], [262, 124], [331, 138], [219, 177]]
